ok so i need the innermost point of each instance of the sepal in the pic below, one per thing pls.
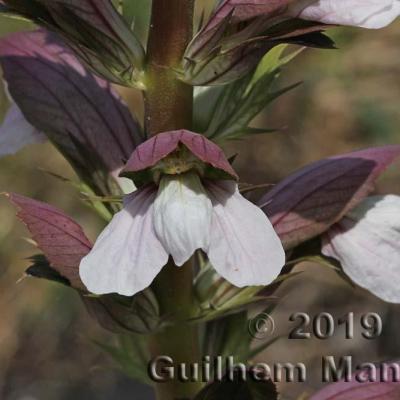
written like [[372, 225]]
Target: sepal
[[147, 155]]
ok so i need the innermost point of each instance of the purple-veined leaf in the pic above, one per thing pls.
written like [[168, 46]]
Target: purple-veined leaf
[[370, 383], [148, 154], [94, 29], [61, 239], [79, 112], [312, 199]]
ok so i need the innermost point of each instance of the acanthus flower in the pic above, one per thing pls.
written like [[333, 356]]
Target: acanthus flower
[[189, 200], [366, 243]]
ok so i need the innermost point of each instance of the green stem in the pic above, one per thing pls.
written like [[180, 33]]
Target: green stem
[[169, 104]]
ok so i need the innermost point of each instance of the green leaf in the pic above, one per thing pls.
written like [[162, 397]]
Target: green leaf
[[240, 102], [228, 336], [262, 347], [217, 298], [130, 355], [137, 14], [205, 102], [96, 203], [272, 61]]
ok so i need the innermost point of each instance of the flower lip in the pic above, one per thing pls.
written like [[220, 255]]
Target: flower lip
[[147, 155]]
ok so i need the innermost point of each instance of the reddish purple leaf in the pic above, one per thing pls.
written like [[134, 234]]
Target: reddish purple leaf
[[80, 113], [61, 239], [384, 386], [158, 147], [309, 201]]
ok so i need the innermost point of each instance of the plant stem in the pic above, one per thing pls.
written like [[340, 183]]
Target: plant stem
[[169, 104]]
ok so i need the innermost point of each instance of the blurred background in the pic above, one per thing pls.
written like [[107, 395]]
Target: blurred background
[[349, 99]]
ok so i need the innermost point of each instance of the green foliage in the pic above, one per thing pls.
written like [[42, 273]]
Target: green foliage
[[228, 336], [137, 15], [10, 23], [130, 354], [231, 109], [218, 298], [101, 205]]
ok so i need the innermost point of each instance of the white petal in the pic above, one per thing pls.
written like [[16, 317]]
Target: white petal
[[16, 132], [127, 186], [127, 256], [367, 243], [372, 14], [182, 215], [244, 247]]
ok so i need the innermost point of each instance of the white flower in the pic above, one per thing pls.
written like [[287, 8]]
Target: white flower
[[367, 244], [182, 216], [371, 14]]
